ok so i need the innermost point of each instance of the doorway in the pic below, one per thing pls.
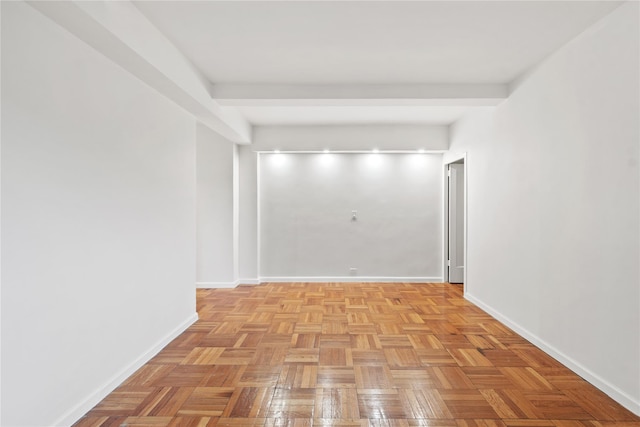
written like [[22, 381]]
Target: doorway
[[455, 238]]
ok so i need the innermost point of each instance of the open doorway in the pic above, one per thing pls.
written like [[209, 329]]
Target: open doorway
[[455, 240]]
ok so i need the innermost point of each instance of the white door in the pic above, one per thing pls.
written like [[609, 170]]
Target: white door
[[456, 223]]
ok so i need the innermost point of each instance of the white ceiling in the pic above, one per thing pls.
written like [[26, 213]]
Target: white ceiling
[[361, 42]]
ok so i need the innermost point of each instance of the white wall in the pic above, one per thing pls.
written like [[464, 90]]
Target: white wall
[[350, 137], [215, 213], [122, 33], [306, 229], [247, 215], [98, 222], [553, 205]]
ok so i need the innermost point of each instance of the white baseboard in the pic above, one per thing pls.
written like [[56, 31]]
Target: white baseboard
[[247, 282], [612, 391], [207, 285], [317, 279], [224, 285], [74, 414], [351, 279]]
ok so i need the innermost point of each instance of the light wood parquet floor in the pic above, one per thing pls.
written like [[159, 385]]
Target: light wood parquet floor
[[379, 355]]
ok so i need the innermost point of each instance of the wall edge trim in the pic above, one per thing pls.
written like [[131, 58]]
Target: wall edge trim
[[350, 279], [78, 411], [207, 285], [603, 385], [317, 279], [254, 281]]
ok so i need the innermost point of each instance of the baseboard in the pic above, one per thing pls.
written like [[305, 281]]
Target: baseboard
[[247, 282], [94, 398], [612, 391], [351, 279], [223, 285], [207, 285], [318, 279]]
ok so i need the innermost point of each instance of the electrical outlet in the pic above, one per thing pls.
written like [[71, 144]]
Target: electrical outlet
[[353, 271]]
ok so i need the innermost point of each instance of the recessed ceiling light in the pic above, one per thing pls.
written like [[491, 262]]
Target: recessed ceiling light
[[375, 150], [421, 151], [326, 150], [276, 151]]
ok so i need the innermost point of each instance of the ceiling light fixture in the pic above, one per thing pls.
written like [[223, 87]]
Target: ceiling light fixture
[[376, 151]]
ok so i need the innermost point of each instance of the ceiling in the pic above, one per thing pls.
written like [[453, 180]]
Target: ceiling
[[367, 43]]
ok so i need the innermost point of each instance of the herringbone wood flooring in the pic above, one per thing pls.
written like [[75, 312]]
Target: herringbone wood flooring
[[380, 355]]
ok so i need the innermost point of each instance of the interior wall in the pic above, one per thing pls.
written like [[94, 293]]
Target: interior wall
[[247, 215], [98, 213], [215, 209], [306, 226], [553, 205]]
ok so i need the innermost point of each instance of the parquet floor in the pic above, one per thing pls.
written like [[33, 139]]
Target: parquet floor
[[379, 355]]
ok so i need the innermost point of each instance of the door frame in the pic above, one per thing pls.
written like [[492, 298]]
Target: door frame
[[457, 158]]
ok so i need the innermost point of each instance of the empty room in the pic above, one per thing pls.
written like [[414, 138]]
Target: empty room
[[320, 213]]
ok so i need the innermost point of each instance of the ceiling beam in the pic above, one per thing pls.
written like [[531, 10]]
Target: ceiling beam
[[385, 137], [123, 34], [472, 95]]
